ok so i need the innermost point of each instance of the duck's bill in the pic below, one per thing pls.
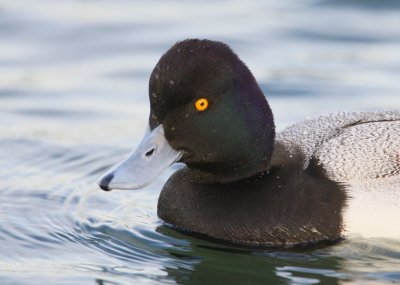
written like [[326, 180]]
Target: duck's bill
[[153, 155]]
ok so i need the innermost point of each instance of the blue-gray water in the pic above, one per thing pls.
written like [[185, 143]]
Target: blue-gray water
[[73, 101]]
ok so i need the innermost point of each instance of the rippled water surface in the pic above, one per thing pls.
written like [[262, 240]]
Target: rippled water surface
[[73, 101]]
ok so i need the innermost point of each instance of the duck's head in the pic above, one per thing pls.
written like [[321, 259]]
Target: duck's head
[[206, 110]]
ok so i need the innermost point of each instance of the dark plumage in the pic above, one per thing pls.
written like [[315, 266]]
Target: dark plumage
[[241, 183]]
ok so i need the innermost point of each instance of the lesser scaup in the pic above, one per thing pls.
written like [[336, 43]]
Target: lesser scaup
[[242, 183]]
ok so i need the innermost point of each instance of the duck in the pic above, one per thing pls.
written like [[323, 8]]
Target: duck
[[243, 182]]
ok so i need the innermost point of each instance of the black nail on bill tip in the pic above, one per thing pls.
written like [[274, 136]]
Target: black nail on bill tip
[[105, 182]]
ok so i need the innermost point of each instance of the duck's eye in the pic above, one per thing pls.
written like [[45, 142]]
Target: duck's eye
[[201, 104]]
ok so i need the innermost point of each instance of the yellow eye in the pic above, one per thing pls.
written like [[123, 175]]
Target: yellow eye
[[201, 104]]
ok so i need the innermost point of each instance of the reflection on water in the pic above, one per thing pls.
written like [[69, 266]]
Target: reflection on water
[[73, 101]]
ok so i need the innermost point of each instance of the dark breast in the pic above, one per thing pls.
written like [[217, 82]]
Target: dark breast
[[287, 206]]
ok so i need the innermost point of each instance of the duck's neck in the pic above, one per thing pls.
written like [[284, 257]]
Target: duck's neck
[[227, 173]]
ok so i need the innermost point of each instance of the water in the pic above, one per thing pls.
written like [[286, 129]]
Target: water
[[73, 101]]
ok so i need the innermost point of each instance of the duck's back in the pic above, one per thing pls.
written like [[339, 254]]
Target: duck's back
[[349, 146]]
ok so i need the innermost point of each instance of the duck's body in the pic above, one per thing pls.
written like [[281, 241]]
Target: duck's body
[[360, 151], [304, 196], [349, 146], [283, 207], [242, 183]]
